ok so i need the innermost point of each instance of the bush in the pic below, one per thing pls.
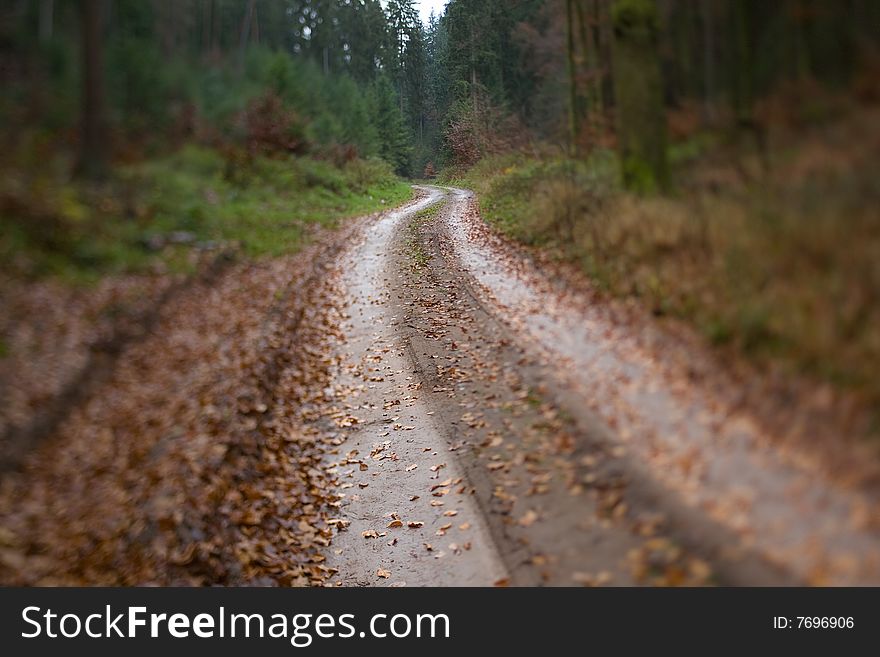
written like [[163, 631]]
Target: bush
[[783, 268], [273, 129], [368, 173]]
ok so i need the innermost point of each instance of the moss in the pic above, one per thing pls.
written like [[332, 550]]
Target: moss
[[637, 18], [638, 175], [639, 94]]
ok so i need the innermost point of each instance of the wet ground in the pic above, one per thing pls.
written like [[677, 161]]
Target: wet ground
[[491, 427]]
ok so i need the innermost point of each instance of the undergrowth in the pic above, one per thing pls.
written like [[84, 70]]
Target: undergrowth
[[158, 210], [779, 262]]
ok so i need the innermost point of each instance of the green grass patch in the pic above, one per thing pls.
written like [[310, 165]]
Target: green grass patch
[[419, 257], [268, 207]]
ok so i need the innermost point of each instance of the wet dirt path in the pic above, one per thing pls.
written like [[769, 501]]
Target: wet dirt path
[[490, 430], [713, 458], [410, 510]]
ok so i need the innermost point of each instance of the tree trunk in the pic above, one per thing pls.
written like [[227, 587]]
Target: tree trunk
[[246, 27], [708, 63], [206, 25], [602, 36], [743, 63], [93, 144], [590, 49], [255, 32], [47, 8], [216, 24], [638, 88], [573, 104]]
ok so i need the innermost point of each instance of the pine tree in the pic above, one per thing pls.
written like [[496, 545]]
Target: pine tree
[[395, 138]]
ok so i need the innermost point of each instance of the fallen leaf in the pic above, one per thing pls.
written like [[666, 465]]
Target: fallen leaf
[[443, 528], [587, 579]]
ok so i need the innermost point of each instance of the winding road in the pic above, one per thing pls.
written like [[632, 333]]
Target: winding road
[[492, 427]]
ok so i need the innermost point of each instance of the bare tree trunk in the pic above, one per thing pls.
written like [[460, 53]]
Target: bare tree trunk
[[206, 25], [602, 27], [638, 90], [246, 26], [472, 46], [255, 32], [590, 52], [93, 146], [573, 105], [708, 62], [744, 63], [47, 9], [165, 25], [216, 24]]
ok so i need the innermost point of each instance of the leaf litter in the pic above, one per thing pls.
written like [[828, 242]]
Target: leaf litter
[[194, 463]]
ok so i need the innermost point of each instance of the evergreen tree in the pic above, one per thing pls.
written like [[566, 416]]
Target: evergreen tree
[[394, 135]]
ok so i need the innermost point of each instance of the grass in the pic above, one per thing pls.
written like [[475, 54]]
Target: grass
[[781, 265], [56, 227], [417, 253]]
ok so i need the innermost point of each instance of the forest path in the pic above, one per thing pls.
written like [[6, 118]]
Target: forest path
[[475, 397], [396, 457]]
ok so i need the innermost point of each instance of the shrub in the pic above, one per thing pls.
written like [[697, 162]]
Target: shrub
[[273, 129]]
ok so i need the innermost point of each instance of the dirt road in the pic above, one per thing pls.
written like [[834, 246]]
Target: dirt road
[[492, 427]]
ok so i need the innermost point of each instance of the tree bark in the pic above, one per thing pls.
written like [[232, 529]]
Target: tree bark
[[93, 144], [603, 37], [206, 25], [573, 104], [47, 9], [246, 26], [708, 62]]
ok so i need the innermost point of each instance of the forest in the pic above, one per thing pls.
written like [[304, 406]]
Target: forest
[[667, 210]]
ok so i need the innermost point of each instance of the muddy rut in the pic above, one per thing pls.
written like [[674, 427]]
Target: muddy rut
[[490, 428]]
